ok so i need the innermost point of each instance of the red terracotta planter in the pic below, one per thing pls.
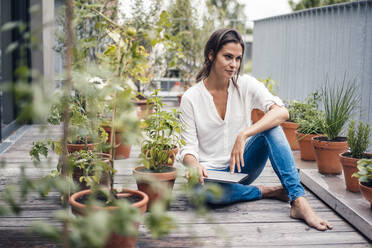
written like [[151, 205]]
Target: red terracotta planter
[[366, 192], [326, 154], [114, 240], [307, 151], [256, 115], [143, 109], [153, 183], [349, 166], [79, 147], [105, 178], [122, 150], [289, 129]]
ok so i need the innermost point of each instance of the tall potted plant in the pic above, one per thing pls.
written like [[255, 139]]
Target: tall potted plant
[[364, 175], [358, 141], [158, 150], [339, 101]]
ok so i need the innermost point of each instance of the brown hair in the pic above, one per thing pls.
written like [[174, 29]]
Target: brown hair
[[218, 39]]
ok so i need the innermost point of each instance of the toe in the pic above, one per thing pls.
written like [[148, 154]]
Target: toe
[[321, 227]]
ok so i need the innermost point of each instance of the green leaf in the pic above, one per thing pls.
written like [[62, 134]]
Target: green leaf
[[9, 26], [11, 47]]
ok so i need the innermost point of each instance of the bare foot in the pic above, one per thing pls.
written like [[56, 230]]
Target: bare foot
[[301, 209], [276, 192]]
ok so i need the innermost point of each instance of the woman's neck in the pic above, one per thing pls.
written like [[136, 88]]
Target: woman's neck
[[216, 84]]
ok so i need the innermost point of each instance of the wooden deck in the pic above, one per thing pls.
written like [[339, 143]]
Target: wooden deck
[[264, 223]]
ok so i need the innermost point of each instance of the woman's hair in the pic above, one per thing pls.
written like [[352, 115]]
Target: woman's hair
[[215, 43]]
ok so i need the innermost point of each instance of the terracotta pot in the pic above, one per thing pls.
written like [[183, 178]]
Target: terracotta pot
[[171, 154], [289, 129], [150, 182], [326, 155], [349, 166], [306, 148], [105, 178], [366, 192], [114, 240], [122, 150], [79, 147], [256, 115], [143, 109]]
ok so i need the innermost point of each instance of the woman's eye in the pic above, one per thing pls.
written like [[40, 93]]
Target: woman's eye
[[228, 56]]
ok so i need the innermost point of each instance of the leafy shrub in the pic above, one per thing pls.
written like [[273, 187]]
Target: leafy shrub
[[163, 134]]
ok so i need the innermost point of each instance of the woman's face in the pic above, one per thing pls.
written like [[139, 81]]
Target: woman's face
[[227, 61]]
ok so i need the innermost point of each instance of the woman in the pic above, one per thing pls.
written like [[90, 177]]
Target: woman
[[219, 133]]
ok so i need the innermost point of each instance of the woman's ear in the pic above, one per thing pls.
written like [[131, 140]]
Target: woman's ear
[[210, 56]]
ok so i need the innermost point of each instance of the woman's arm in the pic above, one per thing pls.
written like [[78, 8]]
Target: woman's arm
[[274, 117]]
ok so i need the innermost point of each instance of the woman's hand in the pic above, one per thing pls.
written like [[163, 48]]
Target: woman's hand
[[200, 170], [237, 153]]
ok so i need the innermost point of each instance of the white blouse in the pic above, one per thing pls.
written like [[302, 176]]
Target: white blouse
[[209, 138]]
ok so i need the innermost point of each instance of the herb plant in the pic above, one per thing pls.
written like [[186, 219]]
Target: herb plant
[[358, 140], [163, 134], [311, 119]]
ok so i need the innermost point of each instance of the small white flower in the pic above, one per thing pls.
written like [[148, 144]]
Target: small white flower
[[97, 82]]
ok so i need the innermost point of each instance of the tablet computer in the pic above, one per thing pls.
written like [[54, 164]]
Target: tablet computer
[[224, 177]]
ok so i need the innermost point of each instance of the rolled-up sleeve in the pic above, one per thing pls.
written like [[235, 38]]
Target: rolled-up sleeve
[[263, 99], [189, 133]]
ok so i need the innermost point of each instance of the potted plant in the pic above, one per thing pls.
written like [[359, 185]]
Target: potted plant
[[270, 84], [309, 126], [339, 103], [296, 111], [158, 150], [364, 176], [358, 141], [89, 168]]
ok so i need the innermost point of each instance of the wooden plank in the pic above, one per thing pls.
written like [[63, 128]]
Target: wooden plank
[[258, 223]]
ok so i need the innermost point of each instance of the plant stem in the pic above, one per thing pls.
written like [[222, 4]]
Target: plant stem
[[112, 145], [66, 110]]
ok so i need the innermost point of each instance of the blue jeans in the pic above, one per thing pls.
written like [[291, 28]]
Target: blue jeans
[[268, 144]]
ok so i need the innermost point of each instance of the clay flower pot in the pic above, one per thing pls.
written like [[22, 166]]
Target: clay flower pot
[[349, 166], [105, 178], [150, 182], [289, 129], [366, 192], [114, 240], [306, 148], [143, 109], [256, 115], [326, 154], [122, 150], [78, 147]]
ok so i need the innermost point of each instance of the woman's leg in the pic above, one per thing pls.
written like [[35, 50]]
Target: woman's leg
[[255, 153], [273, 144], [282, 161]]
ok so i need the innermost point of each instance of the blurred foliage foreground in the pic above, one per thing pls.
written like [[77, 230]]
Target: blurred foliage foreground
[[103, 58]]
